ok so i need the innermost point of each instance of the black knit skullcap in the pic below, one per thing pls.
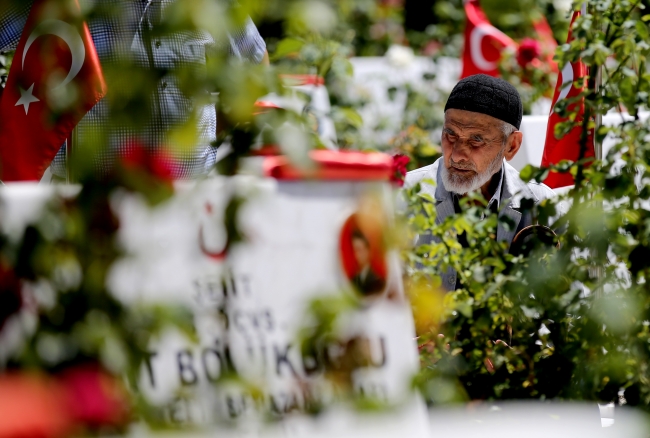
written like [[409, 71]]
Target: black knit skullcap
[[487, 95]]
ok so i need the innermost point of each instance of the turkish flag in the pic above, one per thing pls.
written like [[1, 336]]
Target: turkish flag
[[54, 80], [483, 43], [567, 147]]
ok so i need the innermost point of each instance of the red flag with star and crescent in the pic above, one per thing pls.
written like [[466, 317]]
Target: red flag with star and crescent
[[54, 80], [570, 83], [483, 43]]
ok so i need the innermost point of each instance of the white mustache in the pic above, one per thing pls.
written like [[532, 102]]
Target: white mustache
[[468, 166]]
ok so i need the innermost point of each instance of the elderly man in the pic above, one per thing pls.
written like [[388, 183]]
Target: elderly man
[[482, 118]]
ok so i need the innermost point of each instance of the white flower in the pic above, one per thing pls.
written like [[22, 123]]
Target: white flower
[[400, 56], [543, 330], [563, 5], [317, 16], [17, 329]]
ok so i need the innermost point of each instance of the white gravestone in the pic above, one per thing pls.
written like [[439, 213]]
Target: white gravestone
[[250, 306]]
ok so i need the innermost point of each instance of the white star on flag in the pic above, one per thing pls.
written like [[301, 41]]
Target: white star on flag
[[27, 97]]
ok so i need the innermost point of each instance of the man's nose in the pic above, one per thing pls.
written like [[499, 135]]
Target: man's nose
[[460, 151]]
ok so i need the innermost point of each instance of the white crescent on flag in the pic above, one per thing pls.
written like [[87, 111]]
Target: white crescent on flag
[[567, 81], [67, 33], [476, 38]]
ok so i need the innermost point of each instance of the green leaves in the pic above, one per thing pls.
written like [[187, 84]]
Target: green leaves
[[342, 115], [530, 172], [287, 47]]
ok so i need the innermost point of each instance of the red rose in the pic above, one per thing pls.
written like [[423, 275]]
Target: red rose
[[162, 166], [399, 169], [134, 155], [93, 397], [529, 50], [137, 156]]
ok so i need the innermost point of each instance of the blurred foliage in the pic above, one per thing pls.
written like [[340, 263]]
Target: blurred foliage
[[516, 18], [567, 323], [376, 25], [434, 28], [58, 313], [66, 321], [416, 144]]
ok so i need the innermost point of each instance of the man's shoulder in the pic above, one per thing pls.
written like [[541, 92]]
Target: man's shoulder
[[539, 191], [423, 173]]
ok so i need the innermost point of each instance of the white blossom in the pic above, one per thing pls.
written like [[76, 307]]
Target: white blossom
[[400, 56], [562, 5]]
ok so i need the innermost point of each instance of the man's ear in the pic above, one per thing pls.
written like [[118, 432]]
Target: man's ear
[[513, 144]]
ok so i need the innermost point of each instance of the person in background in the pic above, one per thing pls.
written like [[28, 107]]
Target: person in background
[[133, 30]]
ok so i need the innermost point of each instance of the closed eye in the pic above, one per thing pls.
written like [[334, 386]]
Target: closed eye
[[476, 141], [451, 135]]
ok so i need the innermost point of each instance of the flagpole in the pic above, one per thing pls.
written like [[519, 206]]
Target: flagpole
[[68, 158], [597, 72], [598, 154], [598, 147], [598, 83]]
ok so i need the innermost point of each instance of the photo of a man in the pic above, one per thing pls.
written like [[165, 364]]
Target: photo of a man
[[365, 280]]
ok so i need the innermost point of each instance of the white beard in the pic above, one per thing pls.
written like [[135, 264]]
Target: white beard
[[461, 185]]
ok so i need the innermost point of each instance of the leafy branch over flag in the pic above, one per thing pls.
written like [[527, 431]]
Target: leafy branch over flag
[[54, 80]]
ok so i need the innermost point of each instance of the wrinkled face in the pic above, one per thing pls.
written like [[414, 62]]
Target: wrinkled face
[[361, 251], [473, 149]]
